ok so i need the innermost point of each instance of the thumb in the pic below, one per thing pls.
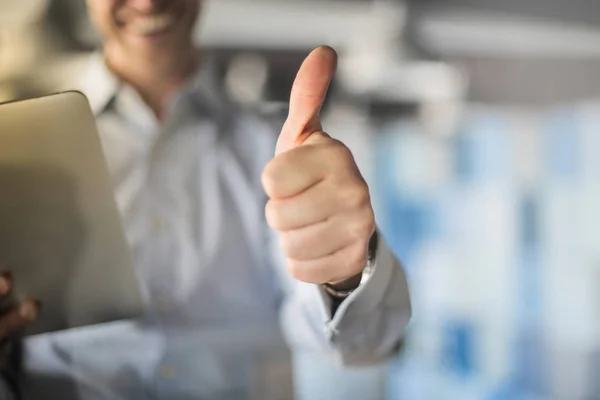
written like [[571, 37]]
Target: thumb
[[307, 97]]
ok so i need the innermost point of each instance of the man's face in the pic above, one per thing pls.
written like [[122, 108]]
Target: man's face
[[147, 28]]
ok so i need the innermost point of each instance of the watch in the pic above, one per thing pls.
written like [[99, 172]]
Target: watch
[[365, 275]]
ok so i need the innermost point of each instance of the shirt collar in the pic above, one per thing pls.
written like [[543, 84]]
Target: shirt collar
[[101, 86]]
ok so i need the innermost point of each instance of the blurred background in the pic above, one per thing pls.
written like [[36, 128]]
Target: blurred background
[[477, 124]]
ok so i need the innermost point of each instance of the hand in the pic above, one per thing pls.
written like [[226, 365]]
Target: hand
[[319, 202], [15, 318]]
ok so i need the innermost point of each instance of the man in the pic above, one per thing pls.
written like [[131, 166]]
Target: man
[[189, 172]]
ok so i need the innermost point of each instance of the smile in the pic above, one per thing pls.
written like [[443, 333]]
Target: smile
[[151, 24]]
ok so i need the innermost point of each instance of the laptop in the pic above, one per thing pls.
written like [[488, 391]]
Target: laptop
[[61, 235]]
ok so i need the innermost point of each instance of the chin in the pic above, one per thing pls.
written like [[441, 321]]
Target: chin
[[157, 44]]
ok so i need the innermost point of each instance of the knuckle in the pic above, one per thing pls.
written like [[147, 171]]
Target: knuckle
[[269, 178], [273, 215], [369, 222], [288, 246], [357, 260], [340, 152], [295, 269], [308, 273], [355, 195], [348, 263], [362, 228]]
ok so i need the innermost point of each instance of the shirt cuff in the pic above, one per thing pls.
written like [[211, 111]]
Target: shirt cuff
[[369, 295]]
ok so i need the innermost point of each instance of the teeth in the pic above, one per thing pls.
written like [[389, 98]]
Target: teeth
[[151, 24]]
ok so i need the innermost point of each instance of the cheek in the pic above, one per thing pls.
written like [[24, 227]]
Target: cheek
[[101, 22], [102, 14]]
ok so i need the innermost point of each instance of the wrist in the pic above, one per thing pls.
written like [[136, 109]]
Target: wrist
[[345, 287]]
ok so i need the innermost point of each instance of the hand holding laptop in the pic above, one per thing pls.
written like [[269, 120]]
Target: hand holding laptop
[[16, 317]]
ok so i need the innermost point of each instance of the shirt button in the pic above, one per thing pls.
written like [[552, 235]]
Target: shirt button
[[167, 371], [330, 329], [158, 224]]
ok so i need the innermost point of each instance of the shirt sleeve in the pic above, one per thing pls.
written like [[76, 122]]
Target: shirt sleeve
[[367, 327]]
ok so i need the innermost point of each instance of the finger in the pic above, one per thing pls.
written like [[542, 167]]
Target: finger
[[17, 318], [316, 204], [308, 208], [307, 97], [335, 267], [295, 171], [325, 238], [5, 284], [310, 89]]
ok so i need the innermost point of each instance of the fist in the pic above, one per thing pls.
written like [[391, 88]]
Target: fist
[[318, 200]]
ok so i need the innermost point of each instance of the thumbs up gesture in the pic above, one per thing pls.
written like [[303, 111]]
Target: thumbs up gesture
[[319, 202]]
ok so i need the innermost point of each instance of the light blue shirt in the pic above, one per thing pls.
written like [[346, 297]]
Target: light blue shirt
[[216, 292]]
